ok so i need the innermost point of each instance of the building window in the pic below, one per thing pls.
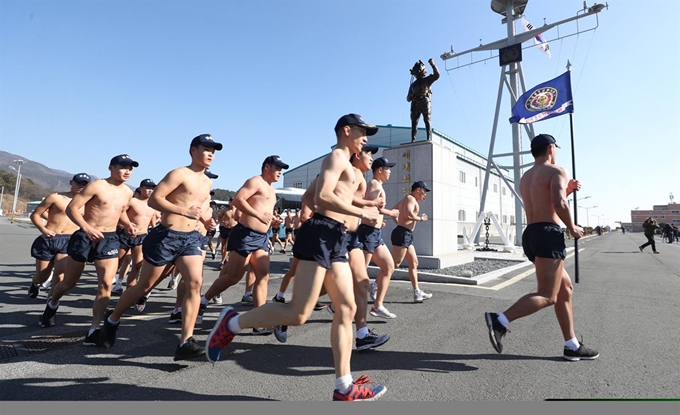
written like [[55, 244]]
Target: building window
[[461, 215], [505, 218], [495, 188], [512, 219], [462, 176], [476, 215], [297, 185], [503, 191], [475, 182]]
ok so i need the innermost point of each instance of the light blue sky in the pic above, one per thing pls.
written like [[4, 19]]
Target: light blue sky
[[82, 81]]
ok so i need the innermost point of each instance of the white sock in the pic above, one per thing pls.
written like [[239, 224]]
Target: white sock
[[178, 310], [53, 307], [204, 301], [362, 332], [573, 344], [233, 325], [503, 320], [344, 383], [89, 333], [115, 323], [280, 295]]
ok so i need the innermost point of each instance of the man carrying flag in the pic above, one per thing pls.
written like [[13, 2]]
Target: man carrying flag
[[544, 189]]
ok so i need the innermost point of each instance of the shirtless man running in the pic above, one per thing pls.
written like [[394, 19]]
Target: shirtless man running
[[323, 260], [402, 235], [226, 219], [181, 197], [370, 237], [544, 189], [103, 202], [49, 249], [142, 216], [249, 240]]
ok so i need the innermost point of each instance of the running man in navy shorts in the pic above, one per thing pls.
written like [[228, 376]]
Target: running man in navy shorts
[[544, 189], [50, 248], [322, 254], [96, 210]]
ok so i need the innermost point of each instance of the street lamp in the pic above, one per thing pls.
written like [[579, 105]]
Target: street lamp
[[16, 187], [587, 208], [2, 196], [580, 198]]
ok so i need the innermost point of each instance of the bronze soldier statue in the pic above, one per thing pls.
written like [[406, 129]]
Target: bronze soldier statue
[[419, 96]]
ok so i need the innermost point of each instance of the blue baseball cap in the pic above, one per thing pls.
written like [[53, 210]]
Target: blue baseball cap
[[82, 178], [381, 162], [205, 140], [147, 183], [123, 160], [355, 119], [543, 140], [275, 160], [420, 184], [210, 174], [370, 149]]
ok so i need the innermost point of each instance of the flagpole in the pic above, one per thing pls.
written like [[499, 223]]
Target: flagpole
[[573, 167]]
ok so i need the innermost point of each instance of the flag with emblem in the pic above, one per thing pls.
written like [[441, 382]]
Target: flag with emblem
[[547, 100]]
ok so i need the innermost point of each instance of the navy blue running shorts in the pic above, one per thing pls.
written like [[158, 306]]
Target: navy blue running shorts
[[370, 238], [244, 241], [127, 242], [321, 239], [163, 245], [82, 249], [402, 236], [45, 249], [544, 240], [352, 241], [224, 232]]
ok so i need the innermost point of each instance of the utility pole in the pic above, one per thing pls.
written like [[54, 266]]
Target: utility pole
[[16, 187], [510, 60]]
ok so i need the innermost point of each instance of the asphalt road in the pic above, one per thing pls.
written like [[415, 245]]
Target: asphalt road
[[626, 306]]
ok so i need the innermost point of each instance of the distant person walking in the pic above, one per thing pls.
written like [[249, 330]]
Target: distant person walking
[[650, 226]]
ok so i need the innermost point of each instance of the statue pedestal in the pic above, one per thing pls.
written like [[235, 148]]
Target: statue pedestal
[[435, 163]]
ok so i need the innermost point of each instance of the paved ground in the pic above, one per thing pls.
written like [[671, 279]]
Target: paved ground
[[625, 306]]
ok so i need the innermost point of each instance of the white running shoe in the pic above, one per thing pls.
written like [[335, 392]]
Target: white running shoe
[[47, 284], [217, 299], [117, 287], [381, 312], [174, 281], [419, 296], [373, 290]]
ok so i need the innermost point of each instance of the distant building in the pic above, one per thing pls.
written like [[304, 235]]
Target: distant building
[[669, 213], [468, 179]]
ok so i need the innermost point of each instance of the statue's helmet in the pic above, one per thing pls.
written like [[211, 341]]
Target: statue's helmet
[[419, 70]]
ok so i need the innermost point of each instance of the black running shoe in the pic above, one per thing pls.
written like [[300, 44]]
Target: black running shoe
[[318, 306], [496, 331], [189, 350], [175, 317], [107, 337], [583, 353], [33, 290], [263, 331], [140, 304], [48, 316], [371, 341], [201, 310], [280, 332], [92, 339], [276, 299]]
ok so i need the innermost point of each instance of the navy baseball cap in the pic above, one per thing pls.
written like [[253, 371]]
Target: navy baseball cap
[[543, 140], [355, 119], [205, 140], [82, 178], [371, 149], [123, 160], [275, 160], [382, 162], [420, 184], [147, 183], [210, 174]]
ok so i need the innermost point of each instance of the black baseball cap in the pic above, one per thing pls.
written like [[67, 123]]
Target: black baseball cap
[[210, 174], [382, 162], [147, 183], [205, 140], [420, 184], [123, 160], [371, 149], [543, 140], [355, 119], [82, 178], [275, 160]]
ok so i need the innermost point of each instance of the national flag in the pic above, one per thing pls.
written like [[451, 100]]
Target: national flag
[[538, 39], [547, 100]]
